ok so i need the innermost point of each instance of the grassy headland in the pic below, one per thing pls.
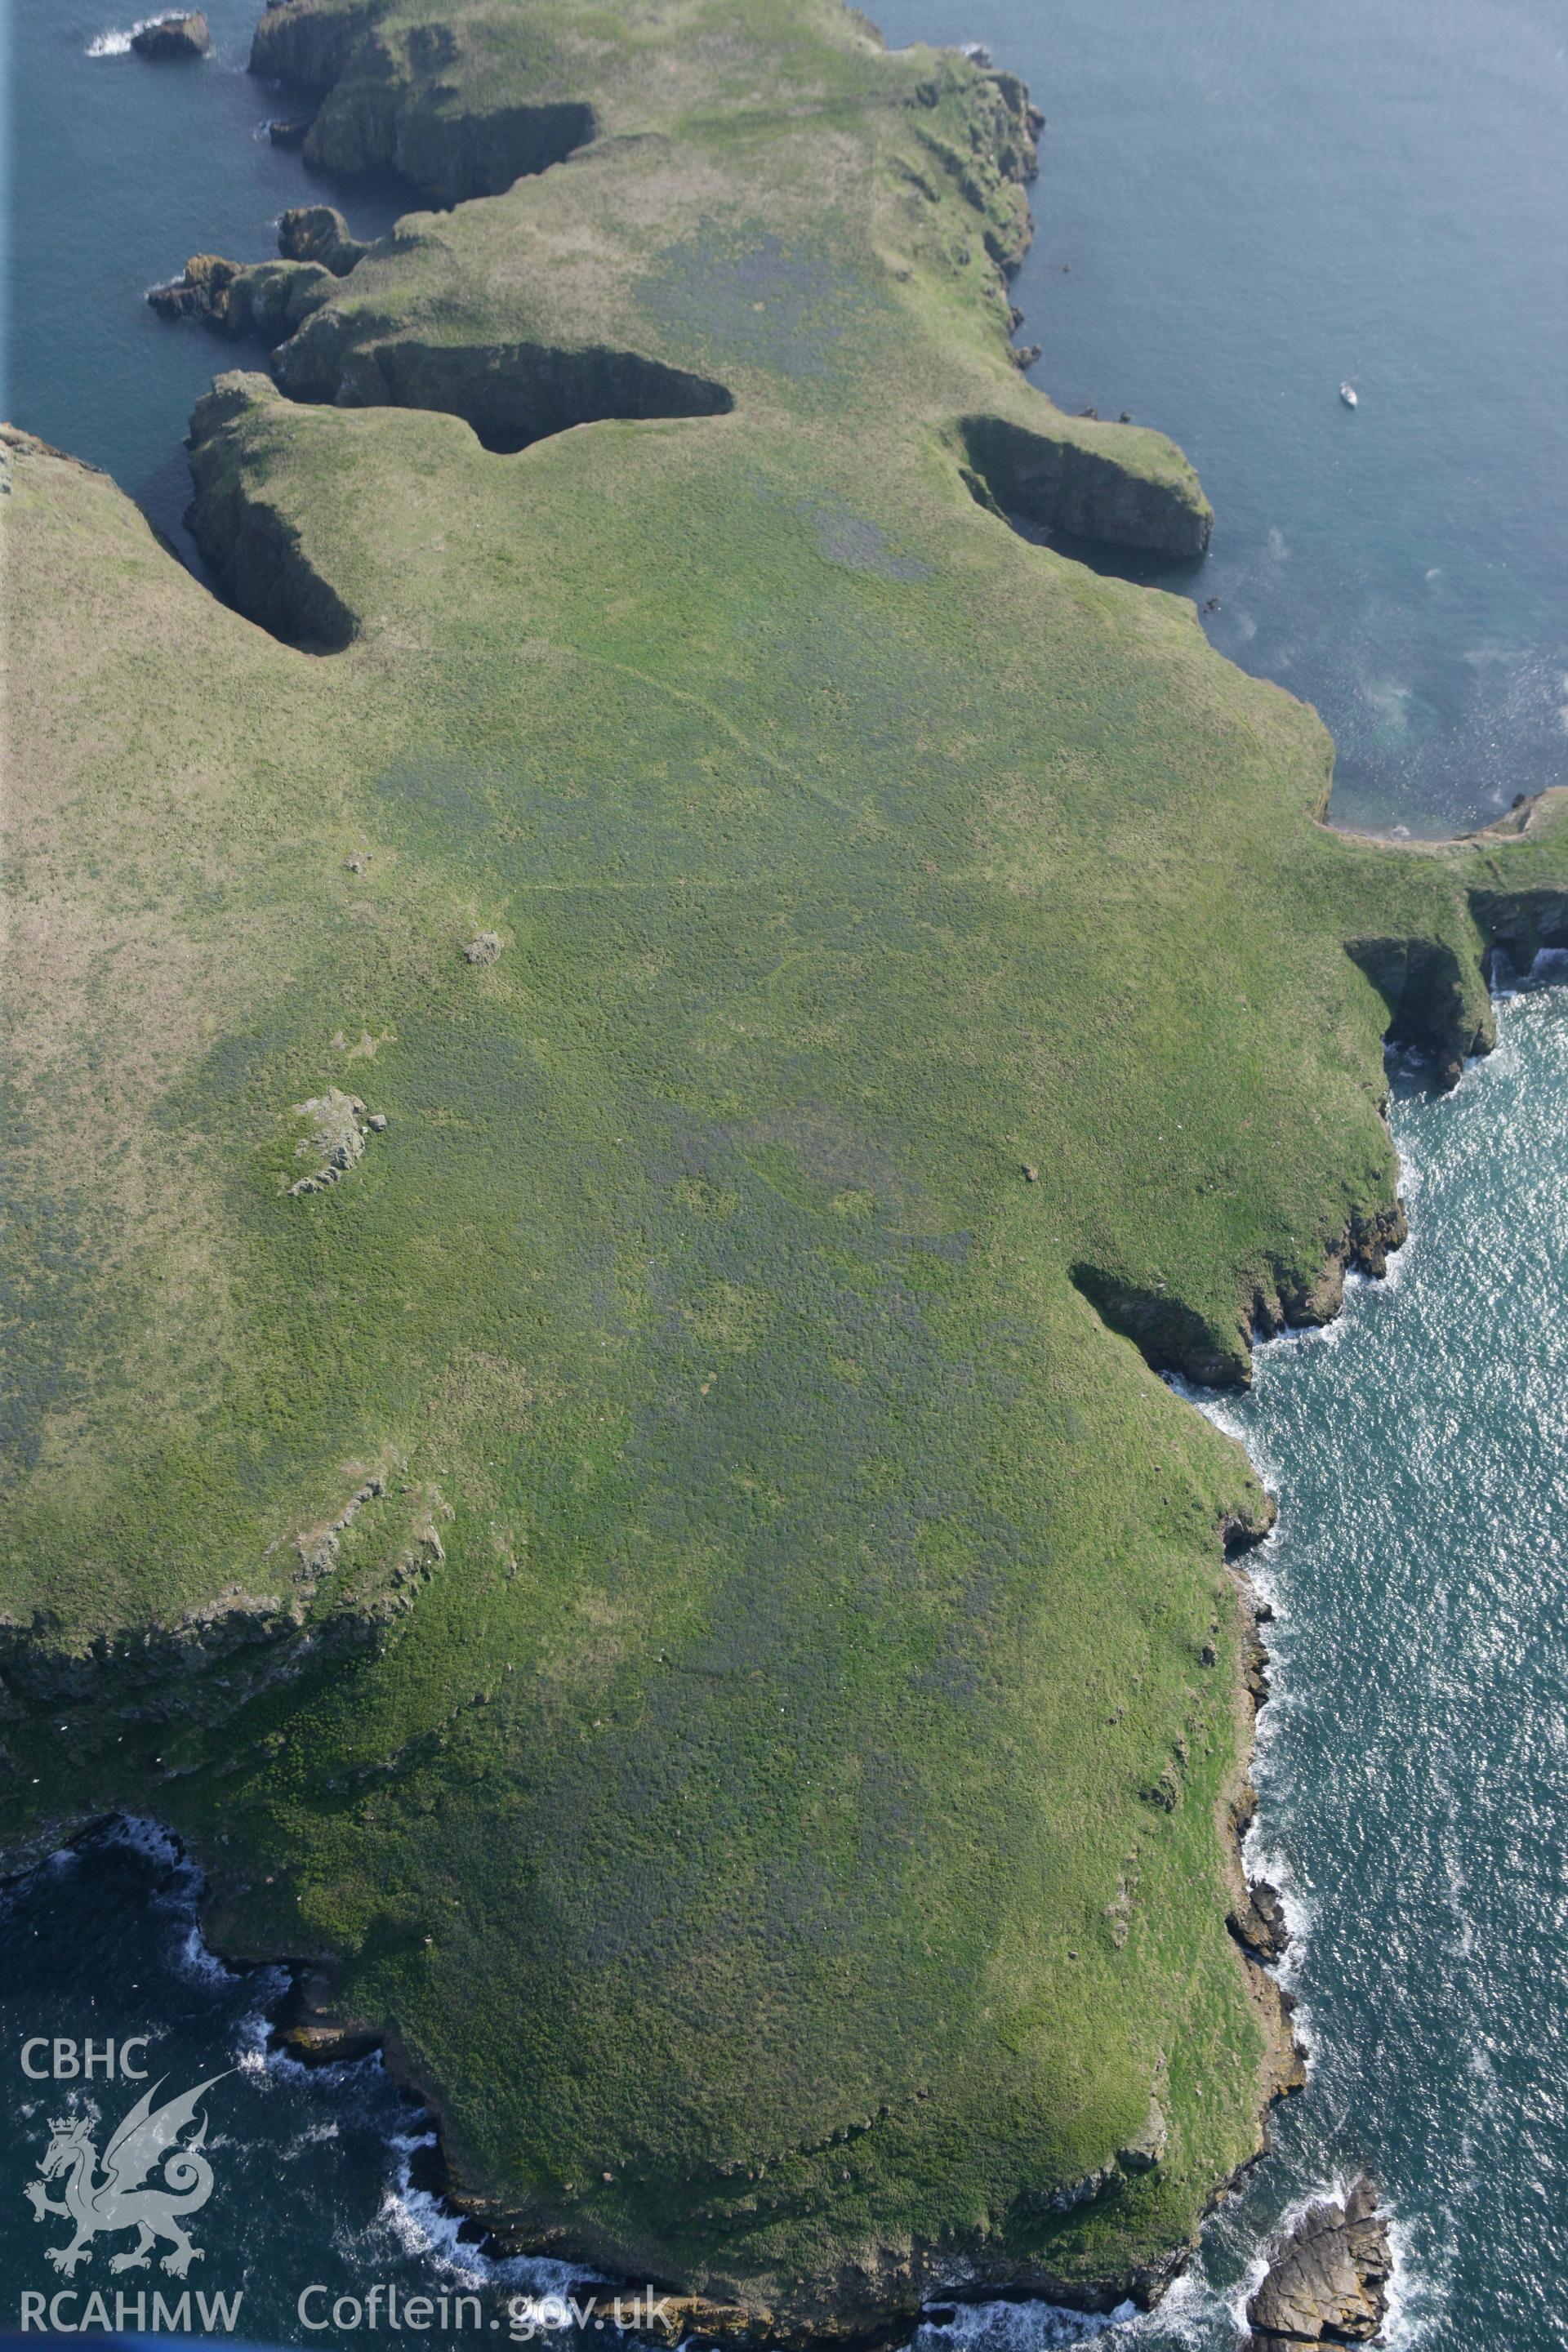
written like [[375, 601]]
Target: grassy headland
[[667, 1576]]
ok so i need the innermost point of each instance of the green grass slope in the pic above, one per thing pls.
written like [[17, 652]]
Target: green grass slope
[[666, 1575]]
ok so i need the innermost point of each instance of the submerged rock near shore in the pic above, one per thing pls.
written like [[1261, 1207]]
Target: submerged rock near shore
[[1328, 2284]]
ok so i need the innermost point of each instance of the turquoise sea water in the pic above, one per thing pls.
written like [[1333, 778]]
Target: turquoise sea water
[[1256, 201]]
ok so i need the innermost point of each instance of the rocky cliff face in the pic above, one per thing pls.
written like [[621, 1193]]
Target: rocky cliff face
[[1119, 484], [385, 108], [320, 233], [511, 393], [1176, 1338], [1438, 1004], [252, 546], [311, 48]]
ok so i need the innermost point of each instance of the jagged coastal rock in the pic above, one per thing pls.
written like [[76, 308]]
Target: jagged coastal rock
[[1259, 1925], [268, 298], [320, 233], [1328, 2284], [172, 36]]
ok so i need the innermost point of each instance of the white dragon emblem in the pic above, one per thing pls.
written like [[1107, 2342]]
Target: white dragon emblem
[[118, 2201]]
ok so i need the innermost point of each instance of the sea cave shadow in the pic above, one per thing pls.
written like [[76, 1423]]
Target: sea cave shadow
[[1175, 574], [164, 498]]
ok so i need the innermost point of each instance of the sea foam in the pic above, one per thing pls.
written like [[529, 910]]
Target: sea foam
[[117, 42], [1015, 2327]]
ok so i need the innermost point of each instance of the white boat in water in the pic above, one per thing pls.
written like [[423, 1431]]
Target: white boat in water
[[1347, 394]]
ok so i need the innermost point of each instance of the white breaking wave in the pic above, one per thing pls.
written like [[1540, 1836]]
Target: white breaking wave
[[428, 2230], [1267, 1863], [193, 1960], [1235, 2304], [1015, 2327], [1196, 2313], [1414, 2303], [117, 43]]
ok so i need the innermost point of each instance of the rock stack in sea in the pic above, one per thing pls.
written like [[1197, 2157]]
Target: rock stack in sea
[[172, 36], [1328, 2282]]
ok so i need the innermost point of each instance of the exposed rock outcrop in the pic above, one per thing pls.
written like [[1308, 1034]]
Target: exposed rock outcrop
[[1176, 1339], [1247, 1526], [1259, 1924], [1328, 2284], [311, 48], [991, 167], [269, 298], [320, 233], [1528, 926], [1437, 1003], [201, 291], [1257, 1917], [1146, 2149], [1364, 1247], [257, 1638], [339, 1125], [305, 2026], [172, 36]]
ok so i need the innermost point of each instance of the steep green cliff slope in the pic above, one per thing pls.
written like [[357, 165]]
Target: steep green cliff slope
[[631, 1530]]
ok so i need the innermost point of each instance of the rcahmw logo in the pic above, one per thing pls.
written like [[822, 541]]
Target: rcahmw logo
[[149, 2179]]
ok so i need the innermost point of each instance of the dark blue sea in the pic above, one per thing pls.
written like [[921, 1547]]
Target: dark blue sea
[[116, 171], [1242, 203]]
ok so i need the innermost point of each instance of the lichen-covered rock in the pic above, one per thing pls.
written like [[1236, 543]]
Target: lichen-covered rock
[[319, 233], [485, 949], [201, 291], [172, 36], [338, 1125], [270, 298]]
